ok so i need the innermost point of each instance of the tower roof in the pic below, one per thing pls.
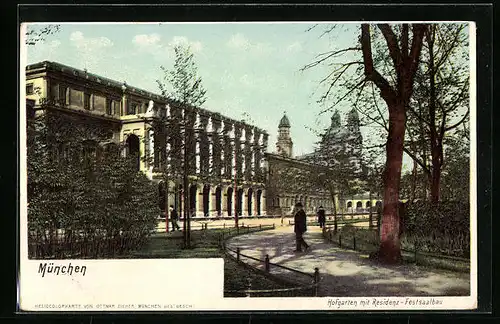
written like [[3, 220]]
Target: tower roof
[[284, 122]]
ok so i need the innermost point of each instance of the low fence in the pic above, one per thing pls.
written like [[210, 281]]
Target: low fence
[[81, 247], [352, 240], [308, 289]]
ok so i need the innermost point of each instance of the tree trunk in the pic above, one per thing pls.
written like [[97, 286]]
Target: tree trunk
[[436, 148], [435, 182], [390, 250], [370, 217], [335, 224], [414, 181]]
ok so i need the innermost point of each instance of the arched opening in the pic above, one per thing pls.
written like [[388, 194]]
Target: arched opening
[[349, 204], [359, 205], [239, 202], [133, 150], [378, 204], [368, 204], [206, 200], [161, 196], [259, 197], [218, 201], [249, 201], [192, 199], [229, 201]]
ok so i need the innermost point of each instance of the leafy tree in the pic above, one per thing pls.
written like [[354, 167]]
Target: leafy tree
[[455, 183], [83, 199], [338, 156], [441, 100], [175, 130]]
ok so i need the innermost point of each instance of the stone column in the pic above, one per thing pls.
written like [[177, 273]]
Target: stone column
[[254, 203], [263, 203], [244, 202], [216, 145], [257, 155], [204, 144], [199, 201], [212, 211], [228, 150], [224, 201], [248, 153], [237, 151], [265, 138]]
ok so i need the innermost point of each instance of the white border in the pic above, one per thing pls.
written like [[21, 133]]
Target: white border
[[290, 304]]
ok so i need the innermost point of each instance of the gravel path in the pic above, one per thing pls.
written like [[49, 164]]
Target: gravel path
[[346, 273]]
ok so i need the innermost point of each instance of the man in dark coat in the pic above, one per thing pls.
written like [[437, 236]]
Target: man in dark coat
[[321, 217], [300, 227], [174, 217]]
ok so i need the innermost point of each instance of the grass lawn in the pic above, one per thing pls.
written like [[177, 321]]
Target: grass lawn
[[205, 244]]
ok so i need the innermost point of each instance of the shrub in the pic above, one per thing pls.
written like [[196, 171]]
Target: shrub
[[94, 205], [440, 228]]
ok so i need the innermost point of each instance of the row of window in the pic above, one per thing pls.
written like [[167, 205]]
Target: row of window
[[89, 101]]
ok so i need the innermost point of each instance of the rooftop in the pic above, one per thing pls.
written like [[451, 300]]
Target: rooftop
[[55, 66]]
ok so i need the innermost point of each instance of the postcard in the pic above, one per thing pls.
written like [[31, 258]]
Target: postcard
[[280, 166]]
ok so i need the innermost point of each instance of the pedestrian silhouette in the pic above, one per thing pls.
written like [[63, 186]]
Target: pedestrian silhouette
[[300, 227]]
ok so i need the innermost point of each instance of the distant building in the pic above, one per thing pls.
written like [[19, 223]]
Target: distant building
[[288, 178]]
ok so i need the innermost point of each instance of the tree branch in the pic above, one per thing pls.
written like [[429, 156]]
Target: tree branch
[[332, 54], [392, 45], [371, 74]]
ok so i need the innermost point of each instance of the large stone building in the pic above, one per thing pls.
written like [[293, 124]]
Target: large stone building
[[227, 172], [294, 178]]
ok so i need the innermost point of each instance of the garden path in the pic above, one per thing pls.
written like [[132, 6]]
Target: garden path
[[346, 273]]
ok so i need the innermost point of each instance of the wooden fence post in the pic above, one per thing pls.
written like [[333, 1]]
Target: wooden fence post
[[316, 281], [249, 286], [354, 242], [415, 252], [260, 226], [340, 240], [267, 265], [238, 254], [274, 226]]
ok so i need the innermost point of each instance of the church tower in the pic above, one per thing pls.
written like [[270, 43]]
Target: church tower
[[284, 143]]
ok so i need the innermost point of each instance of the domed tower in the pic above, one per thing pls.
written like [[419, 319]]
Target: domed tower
[[284, 143]]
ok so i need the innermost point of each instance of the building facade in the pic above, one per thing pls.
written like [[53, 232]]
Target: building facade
[[290, 180], [226, 168]]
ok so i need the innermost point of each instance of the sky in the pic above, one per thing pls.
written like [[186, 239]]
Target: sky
[[247, 69]]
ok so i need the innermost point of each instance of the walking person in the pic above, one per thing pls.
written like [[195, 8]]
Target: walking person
[[321, 217], [174, 217], [300, 227]]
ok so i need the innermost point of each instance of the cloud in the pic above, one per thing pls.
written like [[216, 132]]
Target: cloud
[[89, 43], [238, 41], [144, 40], [90, 50], [294, 47], [195, 46], [242, 43]]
